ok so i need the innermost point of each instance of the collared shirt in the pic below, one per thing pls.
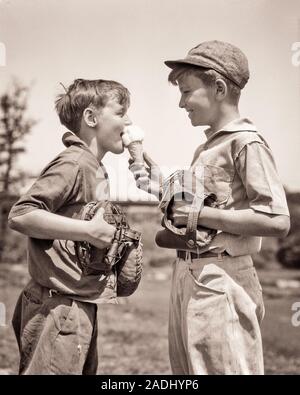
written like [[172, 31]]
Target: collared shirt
[[239, 169], [67, 183]]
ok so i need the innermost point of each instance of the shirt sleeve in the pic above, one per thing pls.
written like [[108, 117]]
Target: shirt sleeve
[[257, 170], [54, 188]]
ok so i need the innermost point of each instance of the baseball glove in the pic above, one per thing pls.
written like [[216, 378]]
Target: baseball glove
[[185, 186], [123, 257]]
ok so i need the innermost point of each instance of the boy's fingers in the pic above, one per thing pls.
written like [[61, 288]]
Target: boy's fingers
[[136, 167], [99, 212], [150, 162], [140, 174], [143, 179], [143, 183]]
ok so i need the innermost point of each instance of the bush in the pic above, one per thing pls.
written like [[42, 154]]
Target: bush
[[15, 247], [266, 259], [289, 252]]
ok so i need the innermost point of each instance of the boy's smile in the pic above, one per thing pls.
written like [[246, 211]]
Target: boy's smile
[[197, 99], [112, 120]]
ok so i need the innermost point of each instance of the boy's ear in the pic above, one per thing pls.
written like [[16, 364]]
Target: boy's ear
[[221, 89], [89, 117]]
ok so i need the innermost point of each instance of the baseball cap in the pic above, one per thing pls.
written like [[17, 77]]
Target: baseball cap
[[220, 56]]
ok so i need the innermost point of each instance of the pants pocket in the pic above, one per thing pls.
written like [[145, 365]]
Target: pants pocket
[[223, 335], [248, 279], [64, 317], [65, 351], [28, 322], [210, 325], [210, 282]]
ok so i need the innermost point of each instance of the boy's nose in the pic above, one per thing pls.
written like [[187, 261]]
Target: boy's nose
[[127, 121], [181, 103]]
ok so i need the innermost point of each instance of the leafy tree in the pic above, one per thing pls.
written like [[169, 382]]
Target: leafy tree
[[14, 126]]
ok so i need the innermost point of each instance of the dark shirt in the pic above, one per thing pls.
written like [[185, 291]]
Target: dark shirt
[[68, 182]]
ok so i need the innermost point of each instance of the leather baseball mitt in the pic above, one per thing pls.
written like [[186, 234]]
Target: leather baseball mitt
[[123, 257], [185, 186]]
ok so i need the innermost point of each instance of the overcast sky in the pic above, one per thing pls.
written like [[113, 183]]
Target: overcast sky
[[48, 41]]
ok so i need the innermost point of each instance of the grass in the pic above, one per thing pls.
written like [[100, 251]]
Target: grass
[[281, 339], [133, 334]]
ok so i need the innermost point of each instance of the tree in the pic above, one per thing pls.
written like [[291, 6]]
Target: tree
[[289, 249], [14, 126]]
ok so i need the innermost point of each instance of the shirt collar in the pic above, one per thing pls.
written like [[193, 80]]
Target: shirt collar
[[69, 138], [237, 125]]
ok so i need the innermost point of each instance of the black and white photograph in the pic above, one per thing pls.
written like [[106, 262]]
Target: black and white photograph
[[149, 189]]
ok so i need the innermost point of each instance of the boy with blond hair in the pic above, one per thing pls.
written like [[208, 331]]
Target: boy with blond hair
[[216, 302], [55, 319]]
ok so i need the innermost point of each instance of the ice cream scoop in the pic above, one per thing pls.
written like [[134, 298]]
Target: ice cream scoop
[[133, 137]]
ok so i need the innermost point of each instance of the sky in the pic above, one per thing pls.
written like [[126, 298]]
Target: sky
[[52, 41]]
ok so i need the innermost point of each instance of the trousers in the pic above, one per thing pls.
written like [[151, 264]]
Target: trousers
[[216, 307], [55, 334]]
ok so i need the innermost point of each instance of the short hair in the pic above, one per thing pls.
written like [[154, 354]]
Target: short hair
[[207, 76], [83, 93]]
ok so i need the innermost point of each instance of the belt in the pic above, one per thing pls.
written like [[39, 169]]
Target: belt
[[185, 255]]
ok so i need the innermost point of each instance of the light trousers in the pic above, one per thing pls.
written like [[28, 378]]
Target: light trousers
[[216, 307]]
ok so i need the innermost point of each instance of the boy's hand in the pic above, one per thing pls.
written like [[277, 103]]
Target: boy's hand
[[99, 232], [179, 213], [148, 178]]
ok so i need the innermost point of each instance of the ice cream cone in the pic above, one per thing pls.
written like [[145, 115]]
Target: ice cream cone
[[133, 137], [136, 151]]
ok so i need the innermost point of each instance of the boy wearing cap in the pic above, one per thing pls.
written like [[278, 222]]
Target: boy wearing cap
[[55, 319], [216, 302]]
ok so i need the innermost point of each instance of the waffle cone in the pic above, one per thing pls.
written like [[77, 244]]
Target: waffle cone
[[136, 151]]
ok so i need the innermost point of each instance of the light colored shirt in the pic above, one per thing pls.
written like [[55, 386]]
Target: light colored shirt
[[239, 169], [68, 182]]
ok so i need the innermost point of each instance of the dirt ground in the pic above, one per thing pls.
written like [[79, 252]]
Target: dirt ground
[[133, 334]]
